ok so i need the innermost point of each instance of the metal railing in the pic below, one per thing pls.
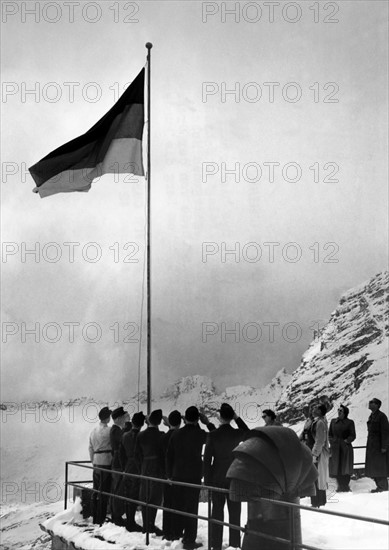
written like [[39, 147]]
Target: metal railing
[[293, 509]]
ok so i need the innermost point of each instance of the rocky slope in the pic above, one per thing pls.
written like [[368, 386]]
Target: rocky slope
[[348, 359]]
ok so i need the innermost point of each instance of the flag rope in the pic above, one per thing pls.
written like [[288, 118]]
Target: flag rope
[[142, 305]]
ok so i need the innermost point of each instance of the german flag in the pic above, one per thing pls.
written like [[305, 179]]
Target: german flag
[[112, 146]]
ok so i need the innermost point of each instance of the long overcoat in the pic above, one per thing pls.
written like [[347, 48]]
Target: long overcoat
[[117, 486], [321, 449], [377, 462], [183, 459], [218, 452], [341, 434], [150, 459], [131, 466]]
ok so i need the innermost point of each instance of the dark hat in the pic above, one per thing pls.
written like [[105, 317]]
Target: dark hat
[[226, 411], [376, 401], [174, 418], [138, 419], [192, 414], [118, 412], [105, 413], [156, 417]]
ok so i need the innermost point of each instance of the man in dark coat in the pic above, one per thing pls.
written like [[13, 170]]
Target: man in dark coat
[[131, 466], [184, 463], [168, 518], [377, 447], [119, 417], [341, 434], [150, 459], [217, 459]]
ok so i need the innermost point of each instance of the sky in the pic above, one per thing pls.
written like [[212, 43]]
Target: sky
[[269, 194]]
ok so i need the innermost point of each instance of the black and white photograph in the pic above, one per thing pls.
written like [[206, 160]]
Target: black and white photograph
[[194, 275]]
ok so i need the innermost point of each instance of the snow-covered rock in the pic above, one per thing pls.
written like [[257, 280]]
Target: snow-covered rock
[[348, 359], [198, 387]]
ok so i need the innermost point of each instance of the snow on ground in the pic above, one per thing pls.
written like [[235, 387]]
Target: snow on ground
[[20, 525]]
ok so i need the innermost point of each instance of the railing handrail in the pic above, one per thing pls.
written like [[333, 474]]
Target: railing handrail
[[222, 490]]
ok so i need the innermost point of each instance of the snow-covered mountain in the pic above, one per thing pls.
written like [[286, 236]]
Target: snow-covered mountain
[[348, 359], [200, 391]]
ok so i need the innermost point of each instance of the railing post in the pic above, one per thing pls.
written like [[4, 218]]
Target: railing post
[[209, 518], [291, 529], [99, 503], [66, 486], [147, 513]]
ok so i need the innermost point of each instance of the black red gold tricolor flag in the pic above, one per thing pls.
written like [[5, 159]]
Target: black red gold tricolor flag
[[112, 146]]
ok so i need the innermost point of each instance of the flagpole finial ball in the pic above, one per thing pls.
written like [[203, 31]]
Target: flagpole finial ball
[[149, 45]]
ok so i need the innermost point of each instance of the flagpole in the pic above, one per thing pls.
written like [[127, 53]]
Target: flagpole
[[148, 46]]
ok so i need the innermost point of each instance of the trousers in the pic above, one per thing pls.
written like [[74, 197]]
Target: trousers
[[218, 502], [101, 482], [185, 499]]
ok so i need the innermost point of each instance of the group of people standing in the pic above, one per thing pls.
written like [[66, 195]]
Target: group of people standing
[[332, 449], [176, 456]]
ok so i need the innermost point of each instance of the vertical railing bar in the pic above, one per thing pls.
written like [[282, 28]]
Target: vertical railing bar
[[66, 486], [147, 513], [292, 532], [209, 516]]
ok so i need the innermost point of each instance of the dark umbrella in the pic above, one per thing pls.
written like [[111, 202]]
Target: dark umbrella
[[271, 463]]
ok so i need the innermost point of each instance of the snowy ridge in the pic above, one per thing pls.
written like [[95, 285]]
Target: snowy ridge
[[348, 360], [197, 388], [247, 401]]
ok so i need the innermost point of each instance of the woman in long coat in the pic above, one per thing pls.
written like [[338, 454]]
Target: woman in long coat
[[341, 435], [321, 454]]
